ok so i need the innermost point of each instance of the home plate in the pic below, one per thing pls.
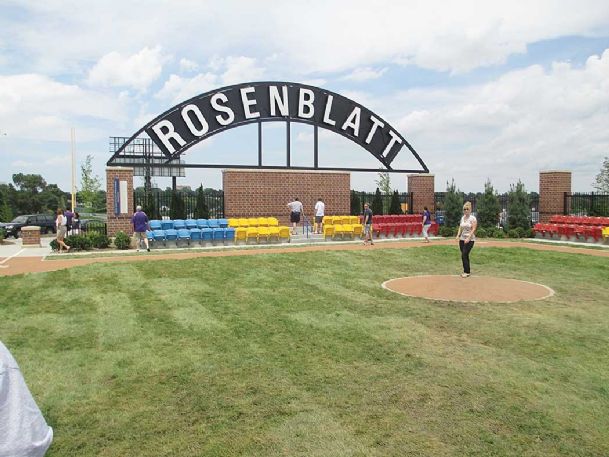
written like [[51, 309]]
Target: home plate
[[471, 289]]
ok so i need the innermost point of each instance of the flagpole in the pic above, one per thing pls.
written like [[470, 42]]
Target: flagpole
[[73, 135]]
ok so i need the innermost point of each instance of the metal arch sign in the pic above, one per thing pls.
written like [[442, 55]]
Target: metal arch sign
[[213, 112]]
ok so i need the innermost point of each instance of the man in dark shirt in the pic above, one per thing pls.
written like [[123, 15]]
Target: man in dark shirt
[[367, 224], [140, 225]]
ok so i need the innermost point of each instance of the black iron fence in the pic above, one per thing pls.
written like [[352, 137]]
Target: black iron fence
[[503, 203], [586, 204], [358, 198], [94, 227], [159, 205]]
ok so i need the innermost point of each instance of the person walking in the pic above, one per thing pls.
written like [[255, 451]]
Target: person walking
[[61, 224], [426, 223], [140, 225], [320, 209], [367, 224], [466, 235], [69, 215], [295, 212], [76, 223]]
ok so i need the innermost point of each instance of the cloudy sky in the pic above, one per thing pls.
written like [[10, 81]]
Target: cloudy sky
[[480, 89]]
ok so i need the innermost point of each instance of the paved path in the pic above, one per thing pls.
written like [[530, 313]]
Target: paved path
[[17, 260]]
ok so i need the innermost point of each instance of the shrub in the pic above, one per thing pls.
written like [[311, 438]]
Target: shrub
[[453, 205], [79, 242], [519, 208], [531, 233], [488, 207], [99, 240], [54, 245], [2, 234], [377, 203], [122, 240], [481, 232], [394, 207], [356, 204], [447, 231]]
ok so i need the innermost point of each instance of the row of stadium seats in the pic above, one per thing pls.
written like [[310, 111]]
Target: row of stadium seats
[[396, 218], [262, 233], [579, 220], [253, 222], [343, 230], [178, 224], [333, 220], [401, 229], [571, 232], [195, 235]]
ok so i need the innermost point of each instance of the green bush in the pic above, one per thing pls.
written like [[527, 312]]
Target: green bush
[[79, 242], [122, 240], [481, 232], [99, 240], [531, 233], [2, 234], [447, 231], [54, 245]]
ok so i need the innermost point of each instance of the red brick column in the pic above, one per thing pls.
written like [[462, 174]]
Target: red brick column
[[252, 193], [30, 236], [552, 188], [422, 187], [122, 220]]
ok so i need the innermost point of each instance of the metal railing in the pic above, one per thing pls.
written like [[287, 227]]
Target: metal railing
[[158, 205], [586, 204]]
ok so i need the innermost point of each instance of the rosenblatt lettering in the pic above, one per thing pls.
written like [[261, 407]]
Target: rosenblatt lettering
[[205, 115]]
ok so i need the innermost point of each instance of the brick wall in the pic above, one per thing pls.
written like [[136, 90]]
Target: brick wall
[[423, 189], [30, 236], [120, 221], [251, 193], [552, 188]]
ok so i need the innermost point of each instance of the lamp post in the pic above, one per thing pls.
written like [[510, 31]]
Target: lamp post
[[73, 137]]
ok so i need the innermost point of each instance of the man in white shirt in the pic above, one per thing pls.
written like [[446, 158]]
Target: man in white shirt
[[295, 212], [320, 208]]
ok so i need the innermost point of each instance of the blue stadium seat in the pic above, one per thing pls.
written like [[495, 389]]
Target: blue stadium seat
[[229, 234], [218, 234], [201, 223], [191, 223], [184, 235], [166, 224], [223, 223], [179, 224], [195, 234], [159, 236], [155, 224], [206, 234], [171, 235], [213, 223]]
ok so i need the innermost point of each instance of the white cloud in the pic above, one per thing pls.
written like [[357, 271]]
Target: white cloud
[[178, 89], [240, 69], [364, 74], [37, 107], [136, 71], [187, 65]]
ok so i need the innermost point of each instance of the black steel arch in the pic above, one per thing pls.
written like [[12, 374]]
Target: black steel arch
[[210, 113]]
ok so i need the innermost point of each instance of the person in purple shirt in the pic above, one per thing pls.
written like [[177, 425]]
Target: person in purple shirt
[[140, 225]]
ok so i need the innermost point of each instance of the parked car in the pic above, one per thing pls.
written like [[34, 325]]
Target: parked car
[[46, 222]]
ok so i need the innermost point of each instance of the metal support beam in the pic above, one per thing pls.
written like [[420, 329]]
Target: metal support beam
[[288, 156], [315, 147], [259, 144]]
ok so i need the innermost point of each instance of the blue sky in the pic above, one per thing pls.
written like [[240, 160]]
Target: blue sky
[[481, 90]]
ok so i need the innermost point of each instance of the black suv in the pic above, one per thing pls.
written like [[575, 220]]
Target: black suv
[[46, 222]]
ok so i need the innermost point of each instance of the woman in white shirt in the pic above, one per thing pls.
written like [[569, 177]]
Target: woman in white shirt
[[62, 228], [466, 235]]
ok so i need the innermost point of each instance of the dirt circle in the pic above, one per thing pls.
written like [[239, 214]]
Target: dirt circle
[[472, 289]]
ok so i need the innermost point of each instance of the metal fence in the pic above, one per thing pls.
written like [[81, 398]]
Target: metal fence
[[158, 204], [95, 227], [503, 203], [586, 204], [405, 199]]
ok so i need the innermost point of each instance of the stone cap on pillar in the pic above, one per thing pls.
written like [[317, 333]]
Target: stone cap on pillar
[[119, 168], [30, 228]]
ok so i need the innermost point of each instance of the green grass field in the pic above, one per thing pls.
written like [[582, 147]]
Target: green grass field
[[304, 354]]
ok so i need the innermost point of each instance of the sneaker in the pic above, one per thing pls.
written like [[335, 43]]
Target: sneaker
[[148, 249], [465, 275]]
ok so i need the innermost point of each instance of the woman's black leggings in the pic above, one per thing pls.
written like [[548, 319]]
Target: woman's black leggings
[[465, 250]]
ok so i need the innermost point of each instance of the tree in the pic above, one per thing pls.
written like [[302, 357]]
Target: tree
[[377, 203], [601, 182], [356, 204], [488, 207], [177, 210], [89, 183], [519, 207], [28, 189], [384, 182], [395, 207], [149, 206], [6, 214], [201, 209], [453, 205]]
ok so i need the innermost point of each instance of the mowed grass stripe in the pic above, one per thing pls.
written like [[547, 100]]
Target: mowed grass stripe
[[305, 354]]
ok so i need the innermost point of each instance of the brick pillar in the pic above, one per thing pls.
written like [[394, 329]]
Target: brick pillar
[[119, 217], [423, 192], [253, 193], [552, 188], [30, 236]]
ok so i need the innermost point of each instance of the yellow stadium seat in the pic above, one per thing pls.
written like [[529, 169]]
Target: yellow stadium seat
[[605, 233], [263, 234], [353, 220], [273, 222], [233, 222], [328, 220], [263, 222], [252, 233], [240, 234], [345, 220], [338, 230], [348, 230], [358, 230], [284, 232], [252, 221], [328, 231], [273, 232], [243, 222]]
